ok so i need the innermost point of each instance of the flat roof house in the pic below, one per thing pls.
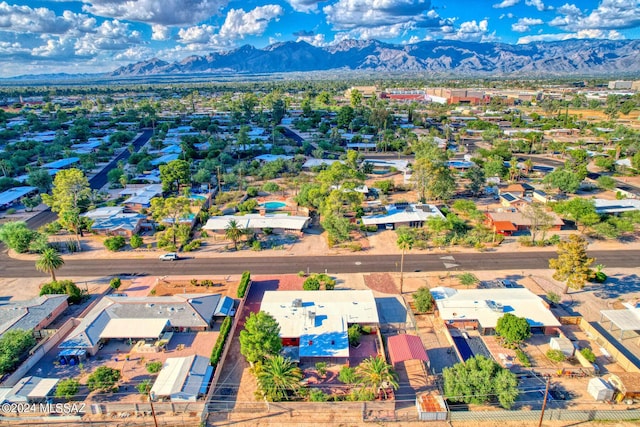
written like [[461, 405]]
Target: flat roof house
[[314, 324], [278, 223], [30, 390], [112, 221], [481, 308], [146, 318], [403, 214]]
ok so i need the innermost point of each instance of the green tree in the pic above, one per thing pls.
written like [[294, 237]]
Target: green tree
[[31, 202], [70, 197], [61, 288], [233, 232], [278, 378], [170, 210], [355, 98], [572, 264], [582, 211], [14, 345], [17, 236], [405, 243], [347, 375], [480, 380], [115, 283], [41, 179], [115, 175], [494, 166], [104, 379], [175, 174], [144, 387], [154, 367], [114, 243], [431, 174], [476, 179], [136, 241], [337, 228], [377, 375], [260, 337], [605, 182], [563, 180], [67, 388], [513, 329], [49, 261], [423, 300], [540, 219]]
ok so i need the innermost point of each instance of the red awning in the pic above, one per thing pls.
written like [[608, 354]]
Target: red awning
[[406, 347]]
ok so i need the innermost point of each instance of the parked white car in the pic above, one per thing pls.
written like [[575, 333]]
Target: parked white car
[[170, 256]]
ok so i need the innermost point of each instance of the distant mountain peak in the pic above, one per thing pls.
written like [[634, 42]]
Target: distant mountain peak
[[569, 57]]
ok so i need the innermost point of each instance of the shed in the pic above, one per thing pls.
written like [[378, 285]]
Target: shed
[[431, 407], [405, 347], [562, 344], [183, 379], [600, 390], [32, 389]]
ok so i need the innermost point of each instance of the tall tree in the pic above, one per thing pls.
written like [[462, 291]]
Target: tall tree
[[582, 211], [572, 264], [260, 337], [405, 243], [431, 174], [41, 179], [233, 232], [477, 180], [71, 195], [513, 329], [49, 261], [170, 210], [376, 374], [540, 219], [278, 378], [175, 174]]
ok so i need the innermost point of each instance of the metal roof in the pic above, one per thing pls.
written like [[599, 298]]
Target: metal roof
[[13, 194], [406, 347]]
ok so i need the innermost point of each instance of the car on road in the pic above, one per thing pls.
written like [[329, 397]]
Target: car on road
[[170, 256]]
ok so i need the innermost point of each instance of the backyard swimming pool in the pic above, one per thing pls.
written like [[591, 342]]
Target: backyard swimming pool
[[273, 206]]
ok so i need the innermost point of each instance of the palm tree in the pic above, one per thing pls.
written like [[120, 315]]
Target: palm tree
[[377, 374], [233, 232], [49, 261], [405, 242], [278, 377]]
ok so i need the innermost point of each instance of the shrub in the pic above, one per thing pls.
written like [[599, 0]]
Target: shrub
[[115, 283], [588, 354], [206, 282], [423, 300], [271, 187], [136, 241], [144, 387], [154, 367], [14, 345], [104, 379], [522, 358], [192, 246], [354, 333], [252, 191], [256, 246], [76, 295], [244, 284], [599, 277], [347, 375], [317, 395], [468, 279], [556, 356], [553, 298], [11, 211], [321, 367], [114, 243], [216, 352], [67, 388]]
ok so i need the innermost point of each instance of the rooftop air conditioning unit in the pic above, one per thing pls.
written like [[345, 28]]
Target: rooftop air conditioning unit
[[296, 303]]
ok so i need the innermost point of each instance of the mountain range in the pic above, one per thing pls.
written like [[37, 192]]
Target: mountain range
[[441, 57]]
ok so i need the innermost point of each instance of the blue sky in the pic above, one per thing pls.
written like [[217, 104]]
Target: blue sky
[[47, 36]]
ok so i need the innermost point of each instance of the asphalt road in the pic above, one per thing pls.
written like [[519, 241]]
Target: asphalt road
[[332, 264], [96, 182]]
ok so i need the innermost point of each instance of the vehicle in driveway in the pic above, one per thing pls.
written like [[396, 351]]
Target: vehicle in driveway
[[170, 256]]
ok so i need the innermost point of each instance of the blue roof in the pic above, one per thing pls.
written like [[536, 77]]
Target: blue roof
[[62, 163]]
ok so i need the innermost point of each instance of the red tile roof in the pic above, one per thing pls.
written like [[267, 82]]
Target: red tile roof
[[406, 347]]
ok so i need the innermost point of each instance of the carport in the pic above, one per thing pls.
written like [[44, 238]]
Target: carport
[[625, 320], [405, 347]]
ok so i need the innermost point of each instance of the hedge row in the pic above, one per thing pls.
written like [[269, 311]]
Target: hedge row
[[216, 353], [244, 283]]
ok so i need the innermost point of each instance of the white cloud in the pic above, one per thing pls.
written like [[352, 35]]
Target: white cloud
[[538, 4], [23, 19], [201, 34], [582, 34], [472, 31], [163, 12], [134, 54], [524, 24], [351, 14], [110, 36], [315, 40], [304, 5], [505, 3], [160, 32], [610, 14], [55, 48], [239, 23]]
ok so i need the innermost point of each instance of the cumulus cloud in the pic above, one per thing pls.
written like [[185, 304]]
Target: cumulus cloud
[[610, 14], [23, 19], [160, 32], [313, 39], [524, 24], [239, 23], [351, 14], [472, 31], [506, 3], [163, 12], [538, 4], [304, 5], [582, 34]]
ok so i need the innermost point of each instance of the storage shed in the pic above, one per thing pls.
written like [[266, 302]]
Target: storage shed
[[431, 407], [600, 390], [562, 344]]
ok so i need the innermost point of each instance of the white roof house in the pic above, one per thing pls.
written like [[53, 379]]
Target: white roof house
[[404, 214], [486, 306], [31, 389], [320, 319], [183, 379], [258, 222], [604, 206]]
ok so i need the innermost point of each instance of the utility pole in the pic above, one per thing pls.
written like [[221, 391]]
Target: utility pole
[[153, 411], [544, 402]]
